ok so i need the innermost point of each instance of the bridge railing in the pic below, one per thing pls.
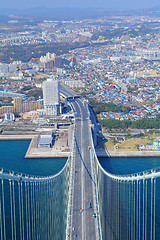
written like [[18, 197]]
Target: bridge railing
[[70, 195], [128, 204]]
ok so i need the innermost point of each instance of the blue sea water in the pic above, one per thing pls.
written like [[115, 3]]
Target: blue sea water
[[12, 158], [12, 154], [128, 165]]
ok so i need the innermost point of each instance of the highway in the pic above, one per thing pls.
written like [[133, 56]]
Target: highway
[[83, 225], [67, 93]]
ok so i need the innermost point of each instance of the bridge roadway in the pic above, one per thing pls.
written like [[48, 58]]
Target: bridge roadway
[[83, 225]]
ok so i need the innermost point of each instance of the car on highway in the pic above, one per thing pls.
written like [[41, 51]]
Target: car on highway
[[93, 214], [89, 205]]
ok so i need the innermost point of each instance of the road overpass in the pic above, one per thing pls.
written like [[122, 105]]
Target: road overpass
[[67, 93]]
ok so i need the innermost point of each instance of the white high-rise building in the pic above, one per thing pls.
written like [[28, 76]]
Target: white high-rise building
[[51, 97]]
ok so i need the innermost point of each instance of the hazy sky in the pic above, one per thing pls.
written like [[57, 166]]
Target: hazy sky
[[79, 3]]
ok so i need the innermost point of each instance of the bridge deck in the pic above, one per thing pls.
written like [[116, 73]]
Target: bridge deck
[[83, 226]]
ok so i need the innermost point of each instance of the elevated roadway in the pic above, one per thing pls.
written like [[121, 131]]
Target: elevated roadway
[[83, 225], [67, 93]]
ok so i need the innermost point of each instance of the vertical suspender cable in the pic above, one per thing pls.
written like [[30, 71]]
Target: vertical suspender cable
[[29, 214], [154, 222], [117, 214], [143, 208], [132, 217], [20, 214], [21, 185], [50, 209], [134, 211], [26, 197], [1, 220], [120, 209], [11, 203], [146, 214], [31, 184], [124, 207], [14, 213], [42, 209], [39, 210], [151, 208], [4, 220], [34, 209], [129, 211], [48, 213], [139, 210]]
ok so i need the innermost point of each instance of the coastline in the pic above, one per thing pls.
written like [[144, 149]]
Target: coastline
[[16, 137], [111, 153], [34, 152]]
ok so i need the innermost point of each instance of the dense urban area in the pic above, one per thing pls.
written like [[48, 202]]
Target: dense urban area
[[112, 60]]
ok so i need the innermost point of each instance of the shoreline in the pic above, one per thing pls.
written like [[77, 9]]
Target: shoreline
[[17, 137], [111, 153], [34, 152]]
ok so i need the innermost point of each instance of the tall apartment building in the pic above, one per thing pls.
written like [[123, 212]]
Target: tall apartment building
[[21, 106], [6, 109], [50, 61], [18, 106], [51, 97]]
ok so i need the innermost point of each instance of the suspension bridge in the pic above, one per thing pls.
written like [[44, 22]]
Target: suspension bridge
[[61, 206]]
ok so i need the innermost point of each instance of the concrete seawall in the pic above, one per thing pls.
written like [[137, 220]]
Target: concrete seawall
[[16, 137], [35, 152], [33, 144], [109, 153]]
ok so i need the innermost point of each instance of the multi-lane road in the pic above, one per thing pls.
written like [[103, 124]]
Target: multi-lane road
[[83, 225]]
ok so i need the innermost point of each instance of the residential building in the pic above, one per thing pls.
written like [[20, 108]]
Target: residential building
[[156, 144], [51, 97]]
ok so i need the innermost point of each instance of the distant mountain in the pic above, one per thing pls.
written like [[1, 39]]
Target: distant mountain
[[156, 7], [75, 13], [58, 13]]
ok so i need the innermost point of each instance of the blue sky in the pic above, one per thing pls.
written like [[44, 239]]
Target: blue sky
[[18, 4]]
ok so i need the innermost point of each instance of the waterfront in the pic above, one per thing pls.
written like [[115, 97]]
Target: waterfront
[[128, 165], [12, 158], [13, 152], [44, 196], [17, 162]]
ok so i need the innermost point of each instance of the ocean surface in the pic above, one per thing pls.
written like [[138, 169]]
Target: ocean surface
[[128, 165], [12, 154], [12, 158]]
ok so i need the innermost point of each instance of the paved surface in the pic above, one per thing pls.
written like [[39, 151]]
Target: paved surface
[[83, 225], [16, 137]]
